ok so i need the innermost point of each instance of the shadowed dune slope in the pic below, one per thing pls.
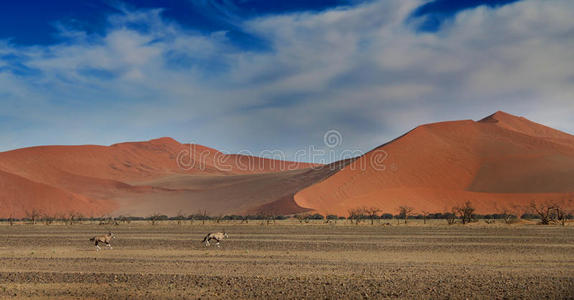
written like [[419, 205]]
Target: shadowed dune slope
[[268, 193], [500, 162]]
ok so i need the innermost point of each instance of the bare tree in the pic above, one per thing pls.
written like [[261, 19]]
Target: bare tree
[[180, 217], [405, 212], [356, 215], [33, 215], [548, 212], [425, 216], [268, 217], [203, 214], [465, 212], [11, 219], [372, 212], [551, 212]]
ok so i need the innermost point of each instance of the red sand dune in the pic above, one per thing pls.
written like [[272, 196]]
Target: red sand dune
[[19, 196], [500, 162], [93, 180]]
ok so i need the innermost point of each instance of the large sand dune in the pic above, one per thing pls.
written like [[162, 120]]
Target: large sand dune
[[98, 180], [500, 162]]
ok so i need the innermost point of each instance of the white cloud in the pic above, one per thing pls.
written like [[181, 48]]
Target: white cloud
[[363, 70]]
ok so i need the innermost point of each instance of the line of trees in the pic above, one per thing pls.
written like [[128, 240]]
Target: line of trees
[[547, 213]]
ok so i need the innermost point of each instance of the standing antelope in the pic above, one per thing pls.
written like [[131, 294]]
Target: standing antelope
[[218, 236], [106, 239]]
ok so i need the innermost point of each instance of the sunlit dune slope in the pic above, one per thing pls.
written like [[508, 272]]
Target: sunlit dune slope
[[502, 161]]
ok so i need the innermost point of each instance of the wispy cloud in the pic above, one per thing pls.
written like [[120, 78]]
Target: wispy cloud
[[362, 69]]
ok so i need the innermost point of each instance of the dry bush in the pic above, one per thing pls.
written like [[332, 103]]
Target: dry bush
[[357, 215], [465, 212], [507, 216], [551, 212], [451, 217], [303, 218]]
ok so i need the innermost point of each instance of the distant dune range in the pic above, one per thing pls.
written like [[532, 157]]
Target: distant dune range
[[500, 162]]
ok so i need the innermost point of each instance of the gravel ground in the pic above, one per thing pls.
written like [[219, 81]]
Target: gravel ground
[[288, 260]]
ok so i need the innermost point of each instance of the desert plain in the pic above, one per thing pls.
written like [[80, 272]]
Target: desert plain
[[289, 259]]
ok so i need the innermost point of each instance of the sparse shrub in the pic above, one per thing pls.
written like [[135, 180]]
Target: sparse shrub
[[450, 217]]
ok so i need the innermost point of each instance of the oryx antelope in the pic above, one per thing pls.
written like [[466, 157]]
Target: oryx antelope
[[105, 239], [217, 236]]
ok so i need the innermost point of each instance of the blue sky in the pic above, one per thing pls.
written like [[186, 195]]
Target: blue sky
[[254, 75]]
